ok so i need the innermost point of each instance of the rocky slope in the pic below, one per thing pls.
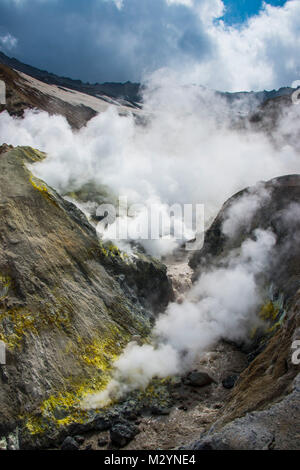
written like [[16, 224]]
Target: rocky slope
[[65, 309], [123, 91], [25, 92], [263, 410]]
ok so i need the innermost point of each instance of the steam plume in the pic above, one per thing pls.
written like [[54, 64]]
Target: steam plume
[[214, 309]]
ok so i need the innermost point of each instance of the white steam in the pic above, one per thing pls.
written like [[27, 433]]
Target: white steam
[[188, 152], [222, 304], [240, 214]]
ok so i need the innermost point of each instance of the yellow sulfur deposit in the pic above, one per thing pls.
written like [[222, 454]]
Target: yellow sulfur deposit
[[269, 312]]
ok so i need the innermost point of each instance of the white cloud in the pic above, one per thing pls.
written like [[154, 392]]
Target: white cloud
[[189, 37], [21, 2], [187, 3], [261, 54], [209, 10], [8, 42], [119, 3]]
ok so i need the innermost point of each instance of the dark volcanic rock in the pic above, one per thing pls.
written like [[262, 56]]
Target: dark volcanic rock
[[130, 415], [102, 442], [70, 444], [101, 424], [160, 411], [230, 381], [88, 447], [122, 433], [198, 379], [79, 439]]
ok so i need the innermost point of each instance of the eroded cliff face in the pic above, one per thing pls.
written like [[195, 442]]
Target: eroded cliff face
[[263, 410], [65, 309]]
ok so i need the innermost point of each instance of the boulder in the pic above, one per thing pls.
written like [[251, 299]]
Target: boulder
[[79, 439], [70, 444], [230, 381], [102, 442], [122, 433], [198, 379], [160, 411]]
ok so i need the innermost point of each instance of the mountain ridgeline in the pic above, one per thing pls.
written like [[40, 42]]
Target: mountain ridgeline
[[131, 92], [127, 91]]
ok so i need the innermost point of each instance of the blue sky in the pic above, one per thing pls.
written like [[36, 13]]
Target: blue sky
[[240, 10], [120, 40]]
